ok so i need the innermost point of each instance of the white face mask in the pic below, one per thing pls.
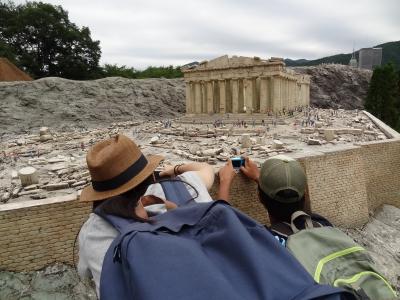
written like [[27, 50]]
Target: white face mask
[[155, 209]]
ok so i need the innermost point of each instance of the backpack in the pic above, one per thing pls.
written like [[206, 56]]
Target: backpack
[[203, 251], [331, 257]]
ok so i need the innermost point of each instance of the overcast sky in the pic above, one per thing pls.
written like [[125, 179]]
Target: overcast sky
[[140, 33]]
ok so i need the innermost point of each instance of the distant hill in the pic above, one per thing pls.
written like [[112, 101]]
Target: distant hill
[[390, 52]]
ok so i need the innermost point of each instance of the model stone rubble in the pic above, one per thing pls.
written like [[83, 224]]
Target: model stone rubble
[[34, 167]]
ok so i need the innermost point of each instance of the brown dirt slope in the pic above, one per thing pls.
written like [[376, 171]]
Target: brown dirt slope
[[10, 72]]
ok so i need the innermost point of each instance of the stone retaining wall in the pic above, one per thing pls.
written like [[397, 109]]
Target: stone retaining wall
[[382, 173], [38, 233], [344, 186], [337, 186]]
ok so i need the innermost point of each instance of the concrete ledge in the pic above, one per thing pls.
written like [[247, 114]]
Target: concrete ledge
[[33, 203], [386, 129]]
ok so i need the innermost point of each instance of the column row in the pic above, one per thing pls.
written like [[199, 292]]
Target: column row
[[245, 95]]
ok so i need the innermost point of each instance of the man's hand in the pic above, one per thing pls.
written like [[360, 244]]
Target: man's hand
[[250, 169], [226, 175]]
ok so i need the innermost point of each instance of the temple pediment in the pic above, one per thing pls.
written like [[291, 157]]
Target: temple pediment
[[224, 62]]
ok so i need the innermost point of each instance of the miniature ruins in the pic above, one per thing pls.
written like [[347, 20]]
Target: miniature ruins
[[351, 158], [244, 85], [49, 163]]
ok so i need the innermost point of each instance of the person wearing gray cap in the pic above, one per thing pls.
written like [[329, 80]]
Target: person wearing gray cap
[[282, 186]]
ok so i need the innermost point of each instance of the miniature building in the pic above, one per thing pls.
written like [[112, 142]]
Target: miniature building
[[370, 58], [10, 72], [244, 85]]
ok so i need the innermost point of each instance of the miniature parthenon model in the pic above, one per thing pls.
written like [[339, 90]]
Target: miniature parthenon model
[[244, 85]]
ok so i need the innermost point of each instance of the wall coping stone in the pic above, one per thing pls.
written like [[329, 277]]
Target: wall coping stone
[[32, 203], [386, 129]]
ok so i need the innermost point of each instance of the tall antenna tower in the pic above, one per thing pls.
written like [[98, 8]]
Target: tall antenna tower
[[353, 61]]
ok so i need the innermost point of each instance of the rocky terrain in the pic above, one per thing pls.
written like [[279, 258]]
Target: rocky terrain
[[59, 282], [381, 238], [337, 86], [63, 103], [68, 104]]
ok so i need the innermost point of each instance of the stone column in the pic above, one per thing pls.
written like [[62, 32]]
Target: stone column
[[235, 95], [222, 96], [248, 94], [276, 94], [210, 97], [303, 103], [188, 99], [287, 93], [228, 91], [292, 102], [301, 97], [203, 98], [256, 104], [298, 95], [197, 96], [192, 98], [263, 94], [285, 97]]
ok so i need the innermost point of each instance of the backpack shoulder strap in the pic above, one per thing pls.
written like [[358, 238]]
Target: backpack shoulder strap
[[286, 229], [175, 190], [320, 220], [282, 229], [298, 214], [119, 223]]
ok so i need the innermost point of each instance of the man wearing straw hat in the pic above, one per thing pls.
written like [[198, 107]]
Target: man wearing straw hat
[[123, 176]]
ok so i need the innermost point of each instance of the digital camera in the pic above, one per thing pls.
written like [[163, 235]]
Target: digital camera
[[237, 162]]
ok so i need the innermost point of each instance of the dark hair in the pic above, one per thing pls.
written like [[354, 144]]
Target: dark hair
[[124, 205], [281, 212]]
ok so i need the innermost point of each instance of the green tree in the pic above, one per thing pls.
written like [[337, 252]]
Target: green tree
[[383, 95], [7, 51], [46, 43], [157, 72], [116, 71], [112, 70]]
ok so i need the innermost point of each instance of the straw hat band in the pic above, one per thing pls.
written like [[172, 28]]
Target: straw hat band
[[122, 178]]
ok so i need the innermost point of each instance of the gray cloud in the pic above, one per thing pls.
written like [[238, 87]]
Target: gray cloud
[[157, 32]]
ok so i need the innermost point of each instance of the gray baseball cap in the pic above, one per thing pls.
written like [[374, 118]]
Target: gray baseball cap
[[280, 173]]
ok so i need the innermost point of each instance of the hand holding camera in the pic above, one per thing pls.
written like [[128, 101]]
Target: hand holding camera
[[227, 173], [250, 169]]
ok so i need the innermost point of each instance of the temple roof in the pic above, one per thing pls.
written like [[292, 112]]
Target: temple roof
[[226, 62]]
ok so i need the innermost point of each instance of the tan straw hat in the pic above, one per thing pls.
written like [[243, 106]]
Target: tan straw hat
[[116, 166]]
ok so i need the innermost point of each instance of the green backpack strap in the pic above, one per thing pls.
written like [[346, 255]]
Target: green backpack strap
[[287, 229]]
